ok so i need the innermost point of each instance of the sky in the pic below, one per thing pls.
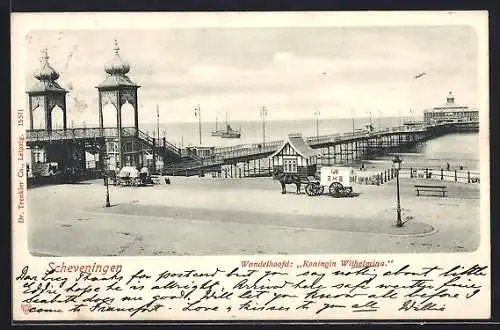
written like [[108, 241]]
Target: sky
[[293, 72]]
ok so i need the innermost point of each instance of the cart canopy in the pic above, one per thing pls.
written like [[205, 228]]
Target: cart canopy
[[128, 172]]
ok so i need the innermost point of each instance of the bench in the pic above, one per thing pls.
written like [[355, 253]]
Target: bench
[[439, 189]]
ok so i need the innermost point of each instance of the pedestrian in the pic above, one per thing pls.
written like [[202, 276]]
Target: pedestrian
[[447, 166]]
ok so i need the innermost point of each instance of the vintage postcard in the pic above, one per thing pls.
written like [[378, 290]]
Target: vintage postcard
[[250, 166]]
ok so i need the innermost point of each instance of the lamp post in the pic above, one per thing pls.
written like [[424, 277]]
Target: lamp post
[[353, 114], [158, 122], [379, 116], [263, 115], [106, 179], [317, 113], [397, 166], [197, 113]]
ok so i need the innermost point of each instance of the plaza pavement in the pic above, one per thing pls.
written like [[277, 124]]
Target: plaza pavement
[[207, 216]]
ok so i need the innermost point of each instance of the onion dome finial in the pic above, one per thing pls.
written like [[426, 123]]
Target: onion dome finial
[[46, 72], [117, 66]]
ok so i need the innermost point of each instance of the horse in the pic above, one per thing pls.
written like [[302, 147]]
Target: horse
[[287, 178]]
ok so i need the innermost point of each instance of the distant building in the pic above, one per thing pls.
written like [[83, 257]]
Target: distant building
[[295, 156], [451, 112]]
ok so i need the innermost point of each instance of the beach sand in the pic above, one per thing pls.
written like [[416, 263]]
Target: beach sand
[[207, 216]]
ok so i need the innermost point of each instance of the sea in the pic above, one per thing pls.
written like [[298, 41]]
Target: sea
[[457, 150]]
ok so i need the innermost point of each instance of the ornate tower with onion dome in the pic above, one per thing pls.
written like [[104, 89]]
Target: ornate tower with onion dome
[[46, 94], [118, 89]]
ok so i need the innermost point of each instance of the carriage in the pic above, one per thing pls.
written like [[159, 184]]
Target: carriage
[[128, 176], [338, 181]]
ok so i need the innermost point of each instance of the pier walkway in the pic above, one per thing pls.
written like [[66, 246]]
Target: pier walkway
[[341, 146]]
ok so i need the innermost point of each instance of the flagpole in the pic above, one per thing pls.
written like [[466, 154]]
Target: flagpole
[[352, 115], [158, 122], [317, 113], [197, 112], [263, 115]]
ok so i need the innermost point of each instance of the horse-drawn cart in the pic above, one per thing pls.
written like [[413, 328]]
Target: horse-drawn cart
[[338, 181], [128, 176]]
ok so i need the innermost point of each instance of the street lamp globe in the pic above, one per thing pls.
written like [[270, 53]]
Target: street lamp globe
[[396, 161]]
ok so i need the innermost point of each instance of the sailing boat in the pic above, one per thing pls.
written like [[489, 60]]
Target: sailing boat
[[228, 133]]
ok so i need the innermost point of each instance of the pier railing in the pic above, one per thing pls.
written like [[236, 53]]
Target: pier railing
[[97, 132], [71, 133], [158, 143], [244, 150], [237, 150]]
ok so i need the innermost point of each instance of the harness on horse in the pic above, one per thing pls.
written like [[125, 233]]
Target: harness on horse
[[287, 178]]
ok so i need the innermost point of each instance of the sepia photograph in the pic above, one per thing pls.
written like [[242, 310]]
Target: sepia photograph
[[218, 141]]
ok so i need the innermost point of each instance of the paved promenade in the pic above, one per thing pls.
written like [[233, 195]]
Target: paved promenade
[[206, 216]]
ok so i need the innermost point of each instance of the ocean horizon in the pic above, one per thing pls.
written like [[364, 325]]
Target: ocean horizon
[[184, 134]]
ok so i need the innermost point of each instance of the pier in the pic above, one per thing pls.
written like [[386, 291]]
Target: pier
[[238, 160], [336, 148]]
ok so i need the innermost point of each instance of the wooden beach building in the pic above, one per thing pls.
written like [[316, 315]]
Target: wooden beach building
[[296, 156]]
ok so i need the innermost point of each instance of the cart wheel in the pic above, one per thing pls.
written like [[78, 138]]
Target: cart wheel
[[311, 189], [335, 188], [320, 190], [348, 191]]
